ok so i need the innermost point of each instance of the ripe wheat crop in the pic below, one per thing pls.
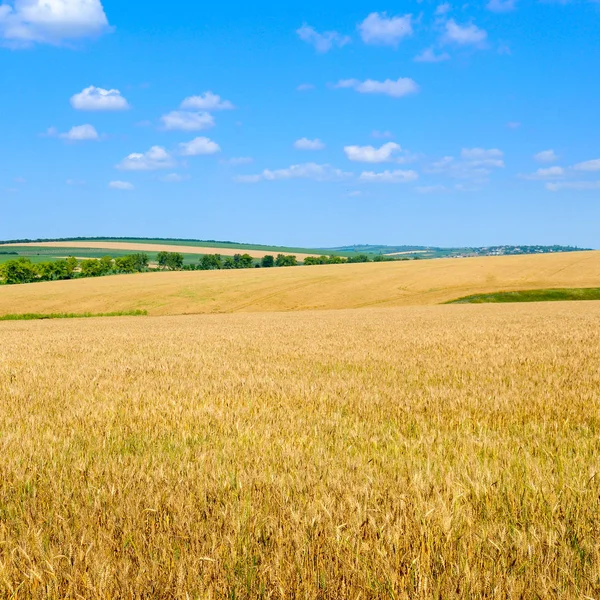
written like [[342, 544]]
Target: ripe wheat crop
[[407, 453], [306, 288]]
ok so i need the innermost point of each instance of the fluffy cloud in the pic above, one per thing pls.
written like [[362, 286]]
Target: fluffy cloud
[[199, 146], [304, 171], [429, 56], [305, 87], [398, 88], [121, 185], [94, 98], [51, 21], [370, 154], [382, 135], [179, 120], [306, 144], [474, 163], [397, 176], [579, 186], [548, 173], [81, 133], [322, 42], [546, 156], [588, 165], [156, 158], [501, 6], [464, 34], [480, 157], [206, 102], [378, 28]]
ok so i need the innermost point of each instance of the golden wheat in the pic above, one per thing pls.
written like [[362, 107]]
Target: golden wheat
[[410, 453], [304, 288]]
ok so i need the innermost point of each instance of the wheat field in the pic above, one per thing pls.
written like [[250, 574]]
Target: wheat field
[[320, 287], [407, 453]]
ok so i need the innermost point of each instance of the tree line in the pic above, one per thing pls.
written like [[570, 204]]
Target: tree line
[[22, 270]]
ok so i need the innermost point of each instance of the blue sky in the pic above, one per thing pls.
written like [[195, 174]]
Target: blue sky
[[303, 123]]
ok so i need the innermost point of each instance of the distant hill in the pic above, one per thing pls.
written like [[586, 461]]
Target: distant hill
[[415, 251]]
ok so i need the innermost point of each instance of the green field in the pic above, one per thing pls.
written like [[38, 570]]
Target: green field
[[554, 295], [46, 316]]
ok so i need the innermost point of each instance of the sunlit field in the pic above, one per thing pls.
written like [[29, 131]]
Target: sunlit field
[[305, 288], [408, 453]]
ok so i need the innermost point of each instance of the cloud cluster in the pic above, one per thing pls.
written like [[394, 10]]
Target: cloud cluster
[[206, 102], [380, 29], [476, 164], [25, 22], [546, 156], [322, 42], [402, 86], [396, 176], [180, 120], [124, 186], [79, 133], [370, 154], [306, 144], [199, 147], [155, 158], [463, 35], [312, 171], [98, 99]]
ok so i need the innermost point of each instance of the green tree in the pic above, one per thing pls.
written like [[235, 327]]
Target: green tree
[[229, 263], [21, 270], [175, 261], [267, 261], [286, 260], [211, 262]]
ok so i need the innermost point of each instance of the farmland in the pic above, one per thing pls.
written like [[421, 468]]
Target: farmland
[[306, 288], [425, 452]]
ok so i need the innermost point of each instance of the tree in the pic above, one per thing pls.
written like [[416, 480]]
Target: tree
[[161, 259], [21, 270], [267, 261], [286, 260], [243, 261], [229, 263], [211, 262]]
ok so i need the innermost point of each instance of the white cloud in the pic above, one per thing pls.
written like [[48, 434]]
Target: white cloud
[[179, 120], [548, 173], [546, 156], [174, 178], [322, 42], [206, 102], [199, 146], [75, 182], [501, 6], [304, 171], [306, 144], [588, 165], [397, 176], [464, 34], [370, 154], [429, 56], [378, 28], [95, 98], [305, 87], [579, 186], [443, 9], [398, 88], [156, 158], [121, 185], [480, 157], [51, 21], [80, 133], [475, 163]]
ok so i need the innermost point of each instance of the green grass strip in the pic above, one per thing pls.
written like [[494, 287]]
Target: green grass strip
[[41, 316], [552, 295]]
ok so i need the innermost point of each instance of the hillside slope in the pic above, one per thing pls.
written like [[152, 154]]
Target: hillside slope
[[305, 288]]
